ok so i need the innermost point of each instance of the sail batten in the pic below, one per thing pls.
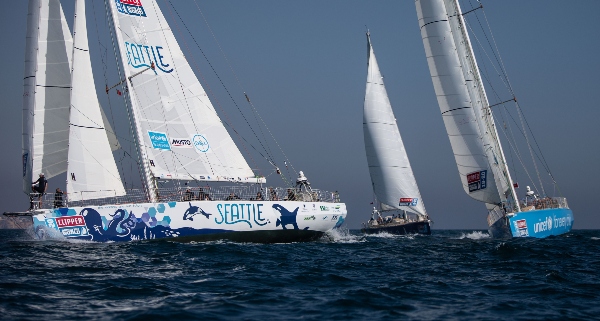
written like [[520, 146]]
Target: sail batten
[[455, 102], [179, 132], [46, 92], [92, 172], [392, 177]]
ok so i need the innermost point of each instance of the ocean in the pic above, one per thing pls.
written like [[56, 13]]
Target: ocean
[[450, 275]]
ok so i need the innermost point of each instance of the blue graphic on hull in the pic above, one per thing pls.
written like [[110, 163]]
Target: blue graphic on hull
[[287, 217], [339, 222], [192, 211]]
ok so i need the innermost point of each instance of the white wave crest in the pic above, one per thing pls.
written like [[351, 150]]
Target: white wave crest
[[342, 235], [475, 235]]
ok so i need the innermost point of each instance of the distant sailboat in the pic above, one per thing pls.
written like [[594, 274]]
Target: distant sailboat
[[392, 177], [472, 131], [178, 136]]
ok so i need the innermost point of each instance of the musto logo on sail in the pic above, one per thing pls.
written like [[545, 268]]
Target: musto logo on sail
[[130, 7], [200, 143], [181, 142], [139, 56], [159, 140]]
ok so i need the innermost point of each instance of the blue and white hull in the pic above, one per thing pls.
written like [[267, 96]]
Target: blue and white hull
[[246, 221], [541, 223], [535, 223]]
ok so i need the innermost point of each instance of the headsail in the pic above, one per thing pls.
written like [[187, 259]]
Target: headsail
[[46, 91], [92, 172], [461, 113], [392, 177], [180, 134]]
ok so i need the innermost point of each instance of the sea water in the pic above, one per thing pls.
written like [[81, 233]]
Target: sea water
[[450, 275]]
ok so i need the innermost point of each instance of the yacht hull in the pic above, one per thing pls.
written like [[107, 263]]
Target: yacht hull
[[535, 223], [244, 221], [422, 227]]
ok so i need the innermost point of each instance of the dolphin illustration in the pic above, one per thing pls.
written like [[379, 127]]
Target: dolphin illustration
[[193, 210]]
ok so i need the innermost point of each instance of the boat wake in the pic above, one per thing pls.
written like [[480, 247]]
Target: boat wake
[[475, 235], [342, 235]]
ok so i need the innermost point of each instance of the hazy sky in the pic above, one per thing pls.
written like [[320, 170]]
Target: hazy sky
[[303, 64]]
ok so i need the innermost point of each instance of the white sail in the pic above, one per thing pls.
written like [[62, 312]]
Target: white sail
[[392, 177], [46, 91], [92, 172], [180, 134], [110, 133], [456, 104]]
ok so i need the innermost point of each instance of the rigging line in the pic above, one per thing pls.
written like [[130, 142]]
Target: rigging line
[[507, 83], [269, 157], [255, 111], [535, 152], [211, 66], [112, 32], [94, 158], [501, 63], [267, 149], [520, 160]]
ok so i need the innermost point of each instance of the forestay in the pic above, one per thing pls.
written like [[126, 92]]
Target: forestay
[[392, 177], [92, 172], [180, 134], [46, 91]]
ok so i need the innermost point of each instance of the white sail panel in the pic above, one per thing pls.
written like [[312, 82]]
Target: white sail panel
[[479, 99], [46, 91], [455, 104], [92, 172], [180, 134], [392, 177]]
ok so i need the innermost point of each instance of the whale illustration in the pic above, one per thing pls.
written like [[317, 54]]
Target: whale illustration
[[192, 211], [287, 217]]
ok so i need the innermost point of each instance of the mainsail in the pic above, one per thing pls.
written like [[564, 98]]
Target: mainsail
[[46, 91], [462, 101], [392, 177], [179, 132], [92, 172]]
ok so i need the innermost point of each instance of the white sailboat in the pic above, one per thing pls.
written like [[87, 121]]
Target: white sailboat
[[392, 178], [470, 125], [177, 133]]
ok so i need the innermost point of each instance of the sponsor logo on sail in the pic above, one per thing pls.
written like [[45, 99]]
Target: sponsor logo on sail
[[142, 56], [130, 7], [200, 143], [181, 143], [408, 201], [477, 180], [159, 140]]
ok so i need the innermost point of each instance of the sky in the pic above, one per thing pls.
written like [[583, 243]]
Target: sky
[[303, 64]]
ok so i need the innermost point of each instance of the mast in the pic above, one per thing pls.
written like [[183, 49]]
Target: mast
[[29, 82], [148, 179], [46, 91], [464, 105], [486, 121]]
